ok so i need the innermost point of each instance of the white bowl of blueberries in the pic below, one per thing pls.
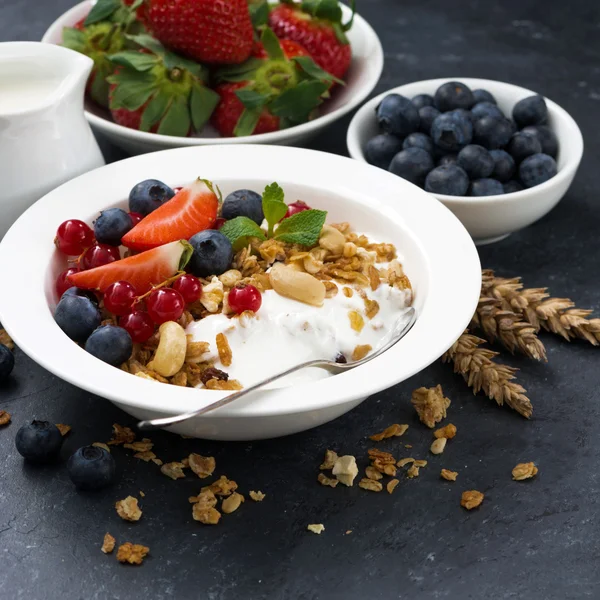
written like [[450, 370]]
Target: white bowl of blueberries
[[497, 155]]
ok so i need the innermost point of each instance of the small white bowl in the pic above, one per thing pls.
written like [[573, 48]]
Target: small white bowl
[[364, 73], [490, 218], [438, 255]]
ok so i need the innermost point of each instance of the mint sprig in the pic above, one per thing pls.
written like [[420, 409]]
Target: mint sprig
[[303, 228], [274, 207], [239, 230]]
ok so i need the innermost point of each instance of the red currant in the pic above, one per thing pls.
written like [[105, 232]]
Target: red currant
[[119, 298], [177, 189], [136, 217], [189, 287], [62, 281], [244, 297], [165, 304], [98, 255], [219, 222], [296, 207], [139, 325], [73, 237]]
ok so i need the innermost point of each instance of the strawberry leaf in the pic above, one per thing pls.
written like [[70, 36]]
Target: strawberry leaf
[[188, 250], [203, 102], [329, 10], [272, 45], [241, 72], [174, 61], [251, 99], [259, 12], [74, 39], [302, 228], [134, 60], [176, 121], [239, 230], [348, 26], [148, 42], [157, 106], [247, 122], [101, 11], [297, 103], [273, 205], [310, 67], [133, 88]]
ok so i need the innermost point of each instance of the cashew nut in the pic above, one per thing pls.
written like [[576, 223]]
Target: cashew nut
[[332, 239], [170, 354], [288, 282]]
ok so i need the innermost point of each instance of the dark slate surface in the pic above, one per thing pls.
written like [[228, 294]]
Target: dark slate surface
[[538, 539]]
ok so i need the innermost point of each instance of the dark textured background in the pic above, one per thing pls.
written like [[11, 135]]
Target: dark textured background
[[536, 539]]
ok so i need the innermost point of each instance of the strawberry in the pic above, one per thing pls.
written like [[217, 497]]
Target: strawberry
[[156, 90], [191, 210], [317, 25], [278, 87], [142, 270], [212, 31]]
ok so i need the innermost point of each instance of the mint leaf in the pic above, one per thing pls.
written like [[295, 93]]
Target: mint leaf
[[273, 205], [302, 228], [239, 230], [101, 11]]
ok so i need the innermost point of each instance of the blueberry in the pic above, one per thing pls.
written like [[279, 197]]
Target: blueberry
[[530, 111], [110, 344], [504, 165], [537, 169], [476, 161], [451, 131], [7, 362], [418, 140], [450, 180], [546, 137], [111, 226], [77, 316], [380, 150], [512, 186], [75, 291], [486, 187], [148, 195], [397, 115], [412, 164], [483, 96], [453, 95], [522, 145], [212, 253], [39, 441], [447, 159], [422, 100], [492, 132], [463, 112], [91, 468], [486, 109], [427, 114], [243, 203]]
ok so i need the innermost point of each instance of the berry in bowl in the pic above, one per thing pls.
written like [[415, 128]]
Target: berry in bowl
[[171, 312], [219, 71], [499, 156]]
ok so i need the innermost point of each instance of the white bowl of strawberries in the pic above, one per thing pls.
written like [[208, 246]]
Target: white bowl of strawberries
[[219, 72]]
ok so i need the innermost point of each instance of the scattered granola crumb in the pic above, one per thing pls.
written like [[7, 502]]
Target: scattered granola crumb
[[373, 473], [206, 516], [471, 499], [221, 487], [391, 485], [257, 496], [329, 460], [324, 480], [430, 404], [405, 461], [349, 531], [420, 463], [142, 494], [317, 528], [133, 554], [361, 351], [438, 445], [345, 469], [64, 429], [203, 466], [449, 475], [225, 355], [128, 509], [207, 499], [144, 446], [4, 418], [108, 545], [101, 445], [157, 461], [408, 445], [6, 340], [369, 484], [384, 458], [524, 471], [121, 435], [412, 472], [394, 430], [174, 470], [219, 384], [146, 455], [448, 432], [232, 503], [186, 437]]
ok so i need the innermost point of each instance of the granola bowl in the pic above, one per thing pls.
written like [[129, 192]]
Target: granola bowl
[[437, 254]]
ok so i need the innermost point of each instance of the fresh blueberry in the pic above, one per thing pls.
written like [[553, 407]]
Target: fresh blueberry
[[148, 195], [110, 344], [243, 203], [486, 187], [212, 253], [422, 100], [451, 131], [75, 291], [483, 96], [39, 441], [397, 115], [464, 113], [380, 150], [77, 316], [427, 114], [512, 186], [412, 164], [447, 159], [476, 161], [449, 180], [7, 362], [537, 169], [522, 145], [492, 133], [418, 140], [546, 137], [453, 95], [486, 109], [530, 111], [91, 468], [504, 165], [111, 226]]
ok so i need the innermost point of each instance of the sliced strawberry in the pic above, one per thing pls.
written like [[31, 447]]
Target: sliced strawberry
[[191, 210], [142, 270]]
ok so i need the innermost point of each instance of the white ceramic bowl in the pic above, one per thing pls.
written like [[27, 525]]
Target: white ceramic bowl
[[364, 73], [491, 218], [438, 254]]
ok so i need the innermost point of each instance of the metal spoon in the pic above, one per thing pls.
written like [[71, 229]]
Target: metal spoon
[[401, 328]]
